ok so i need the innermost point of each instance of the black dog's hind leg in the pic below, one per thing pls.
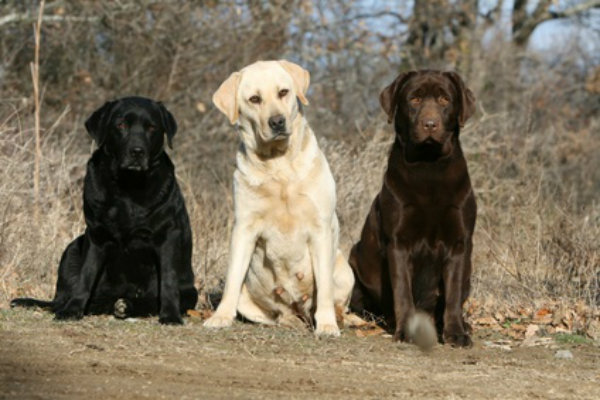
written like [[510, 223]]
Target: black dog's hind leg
[[78, 274], [170, 257]]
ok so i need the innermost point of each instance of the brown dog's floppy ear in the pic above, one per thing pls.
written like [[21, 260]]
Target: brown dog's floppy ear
[[301, 78], [467, 99], [96, 123], [225, 98], [388, 98], [168, 123]]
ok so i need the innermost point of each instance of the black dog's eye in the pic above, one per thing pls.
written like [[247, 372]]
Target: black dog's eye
[[122, 125], [255, 99], [151, 128], [283, 92]]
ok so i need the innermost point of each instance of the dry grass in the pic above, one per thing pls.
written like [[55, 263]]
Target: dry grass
[[536, 236], [532, 149]]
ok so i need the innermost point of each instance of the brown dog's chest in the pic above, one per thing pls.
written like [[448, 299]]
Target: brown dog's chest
[[437, 230]]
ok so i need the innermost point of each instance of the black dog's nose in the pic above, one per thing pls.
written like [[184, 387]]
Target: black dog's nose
[[136, 152], [277, 123]]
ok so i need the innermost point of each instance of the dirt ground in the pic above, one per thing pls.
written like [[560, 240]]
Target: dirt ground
[[101, 357]]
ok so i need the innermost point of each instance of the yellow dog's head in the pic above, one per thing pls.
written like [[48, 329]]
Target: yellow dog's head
[[262, 99]]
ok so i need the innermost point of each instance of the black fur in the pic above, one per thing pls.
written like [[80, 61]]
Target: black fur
[[134, 258]]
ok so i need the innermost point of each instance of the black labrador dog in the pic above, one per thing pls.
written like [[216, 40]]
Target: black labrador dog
[[134, 258]]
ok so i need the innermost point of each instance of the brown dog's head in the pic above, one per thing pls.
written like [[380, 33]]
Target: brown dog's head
[[428, 109]]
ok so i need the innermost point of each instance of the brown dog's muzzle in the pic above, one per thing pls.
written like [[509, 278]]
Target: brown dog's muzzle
[[429, 126]]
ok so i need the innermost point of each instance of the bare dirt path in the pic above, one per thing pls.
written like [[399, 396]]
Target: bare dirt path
[[101, 357]]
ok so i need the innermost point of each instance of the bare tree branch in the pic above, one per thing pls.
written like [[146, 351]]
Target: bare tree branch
[[16, 18], [523, 25]]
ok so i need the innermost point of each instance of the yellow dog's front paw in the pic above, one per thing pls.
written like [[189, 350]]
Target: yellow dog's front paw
[[218, 321], [327, 330]]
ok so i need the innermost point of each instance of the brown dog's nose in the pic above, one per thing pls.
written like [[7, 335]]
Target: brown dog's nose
[[277, 123], [430, 124]]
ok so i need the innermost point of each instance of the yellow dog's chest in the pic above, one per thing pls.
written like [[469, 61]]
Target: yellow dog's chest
[[285, 208]]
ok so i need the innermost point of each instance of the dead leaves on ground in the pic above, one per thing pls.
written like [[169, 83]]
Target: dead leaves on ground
[[533, 325], [202, 314], [527, 325]]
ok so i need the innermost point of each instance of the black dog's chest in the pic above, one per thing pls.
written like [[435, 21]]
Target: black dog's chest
[[127, 221]]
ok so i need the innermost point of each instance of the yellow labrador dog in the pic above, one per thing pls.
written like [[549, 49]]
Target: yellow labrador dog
[[285, 263]]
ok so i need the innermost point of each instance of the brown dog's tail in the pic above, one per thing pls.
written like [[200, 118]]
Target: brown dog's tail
[[28, 302], [421, 331]]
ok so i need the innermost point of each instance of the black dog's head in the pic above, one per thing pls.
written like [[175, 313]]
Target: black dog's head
[[132, 130], [428, 108]]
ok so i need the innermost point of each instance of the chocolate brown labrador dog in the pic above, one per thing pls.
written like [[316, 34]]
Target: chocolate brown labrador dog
[[413, 260]]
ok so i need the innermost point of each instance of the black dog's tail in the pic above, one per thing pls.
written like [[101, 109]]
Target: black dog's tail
[[28, 302]]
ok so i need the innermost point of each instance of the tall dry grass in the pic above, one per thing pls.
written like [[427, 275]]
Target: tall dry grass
[[537, 230], [533, 147]]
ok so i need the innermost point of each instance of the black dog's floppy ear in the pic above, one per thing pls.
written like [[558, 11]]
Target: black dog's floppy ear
[[467, 99], [388, 98], [168, 123], [95, 124]]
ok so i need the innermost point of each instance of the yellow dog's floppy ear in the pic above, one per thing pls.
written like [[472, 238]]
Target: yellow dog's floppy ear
[[225, 98], [301, 78]]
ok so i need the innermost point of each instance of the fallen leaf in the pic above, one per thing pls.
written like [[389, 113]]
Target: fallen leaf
[[201, 107], [369, 330], [537, 341], [499, 344], [499, 317], [485, 321], [204, 314], [531, 330]]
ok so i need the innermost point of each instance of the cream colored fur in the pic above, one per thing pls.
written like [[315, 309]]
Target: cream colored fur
[[285, 262]]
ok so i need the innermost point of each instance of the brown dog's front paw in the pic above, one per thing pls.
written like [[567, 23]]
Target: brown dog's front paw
[[399, 336], [458, 339]]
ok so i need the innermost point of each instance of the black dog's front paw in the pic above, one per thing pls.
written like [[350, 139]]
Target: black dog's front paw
[[171, 319], [68, 314], [122, 308]]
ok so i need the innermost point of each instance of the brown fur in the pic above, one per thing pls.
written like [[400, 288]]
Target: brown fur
[[415, 248]]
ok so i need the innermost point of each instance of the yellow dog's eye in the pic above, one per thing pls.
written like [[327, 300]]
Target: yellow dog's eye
[[283, 92], [255, 99]]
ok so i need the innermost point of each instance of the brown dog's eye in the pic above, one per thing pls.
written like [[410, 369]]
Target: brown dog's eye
[[443, 100], [255, 99], [415, 101], [283, 92]]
